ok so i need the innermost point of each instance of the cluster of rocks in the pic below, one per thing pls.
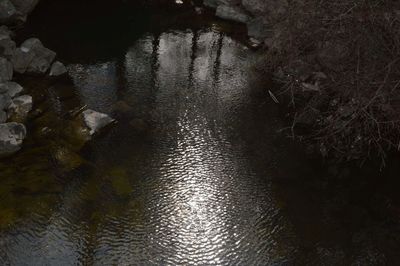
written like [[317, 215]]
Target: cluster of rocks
[[30, 58], [15, 11], [256, 14]]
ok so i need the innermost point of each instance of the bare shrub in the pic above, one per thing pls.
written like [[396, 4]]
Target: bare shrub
[[339, 62]]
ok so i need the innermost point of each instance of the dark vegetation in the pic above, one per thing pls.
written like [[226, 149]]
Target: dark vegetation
[[341, 75]]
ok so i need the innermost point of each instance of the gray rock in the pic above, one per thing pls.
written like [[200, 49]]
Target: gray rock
[[7, 11], [96, 121], [5, 32], [232, 13], [216, 3], [271, 8], [6, 70], [12, 136], [5, 101], [25, 6], [258, 28], [42, 59], [256, 7], [21, 60], [3, 116], [7, 46], [21, 106], [58, 69], [211, 3], [12, 88]]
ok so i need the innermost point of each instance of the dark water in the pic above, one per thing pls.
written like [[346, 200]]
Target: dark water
[[194, 172]]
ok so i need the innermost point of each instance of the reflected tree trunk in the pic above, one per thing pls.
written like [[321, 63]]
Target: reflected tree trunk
[[217, 63], [194, 47]]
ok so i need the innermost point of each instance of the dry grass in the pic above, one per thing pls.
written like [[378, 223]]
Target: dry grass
[[355, 109]]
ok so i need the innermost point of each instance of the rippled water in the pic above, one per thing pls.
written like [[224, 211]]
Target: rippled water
[[184, 178]]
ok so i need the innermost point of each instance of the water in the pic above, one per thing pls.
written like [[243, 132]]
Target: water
[[194, 172]]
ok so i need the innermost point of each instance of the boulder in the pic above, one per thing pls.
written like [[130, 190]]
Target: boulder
[[11, 88], [57, 69], [232, 13], [42, 58], [216, 3], [7, 11], [256, 7], [25, 6], [271, 8], [258, 28], [5, 101], [6, 70], [3, 116], [5, 31], [21, 106], [211, 3], [7, 46], [96, 121], [21, 60], [11, 137]]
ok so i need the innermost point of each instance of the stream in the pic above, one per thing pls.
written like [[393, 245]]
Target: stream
[[193, 173]]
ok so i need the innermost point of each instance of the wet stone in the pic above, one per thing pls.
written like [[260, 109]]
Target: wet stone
[[96, 120], [57, 69], [21, 106], [11, 137]]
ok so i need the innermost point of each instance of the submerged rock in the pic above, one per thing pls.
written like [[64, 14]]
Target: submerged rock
[[57, 69], [11, 137], [96, 121], [41, 59], [232, 13], [6, 70]]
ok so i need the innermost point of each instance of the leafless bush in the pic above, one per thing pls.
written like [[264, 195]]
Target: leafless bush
[[354, 106]]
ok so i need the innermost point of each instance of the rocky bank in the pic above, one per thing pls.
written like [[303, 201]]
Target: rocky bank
[[32, 58]]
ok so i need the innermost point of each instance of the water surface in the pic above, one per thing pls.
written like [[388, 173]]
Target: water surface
[[194, 172]]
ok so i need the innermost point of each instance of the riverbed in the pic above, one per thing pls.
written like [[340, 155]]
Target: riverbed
[[194, 172]]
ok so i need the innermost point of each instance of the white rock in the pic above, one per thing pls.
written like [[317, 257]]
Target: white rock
[[96, 121]]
